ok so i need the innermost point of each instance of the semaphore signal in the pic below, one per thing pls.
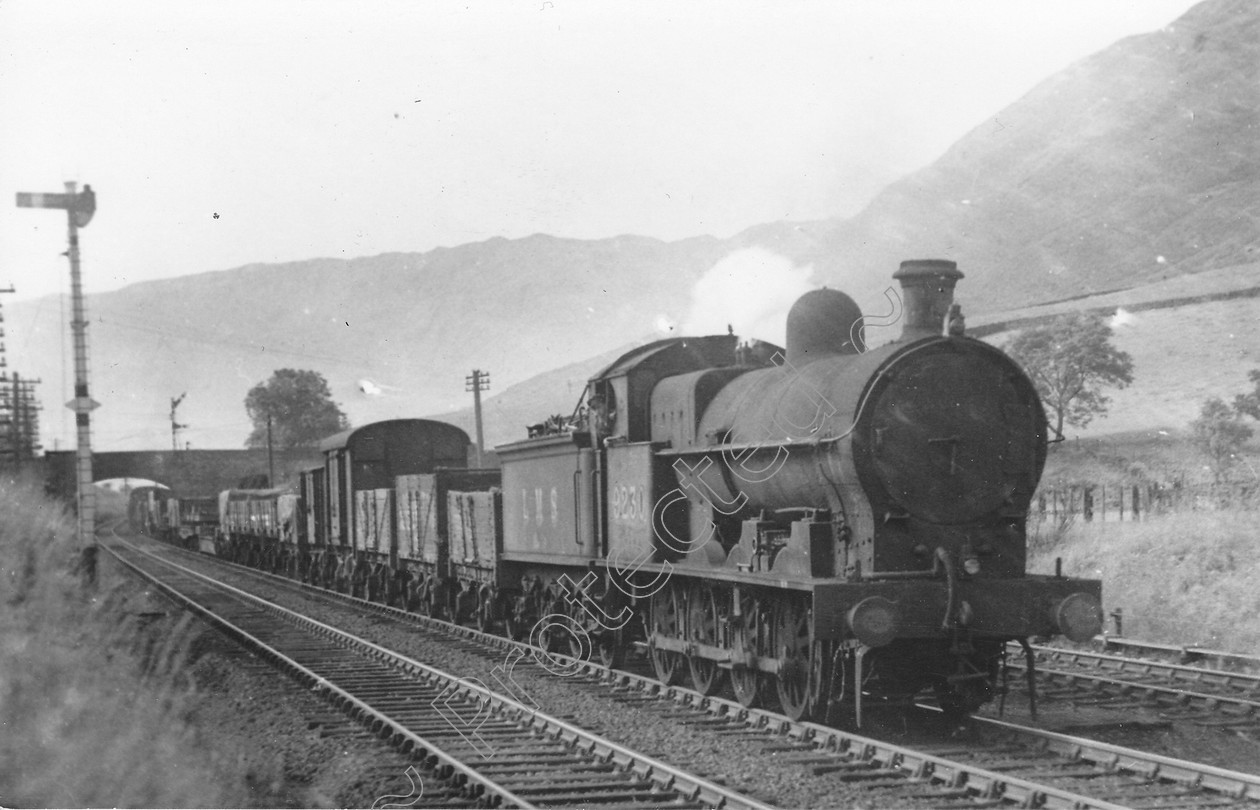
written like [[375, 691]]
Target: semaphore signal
[[79, 208]]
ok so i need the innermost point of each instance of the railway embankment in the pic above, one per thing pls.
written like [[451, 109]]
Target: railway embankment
[[115, 698], [1184, 578]]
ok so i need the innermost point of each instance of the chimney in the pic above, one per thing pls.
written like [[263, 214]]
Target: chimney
[[927, 290]]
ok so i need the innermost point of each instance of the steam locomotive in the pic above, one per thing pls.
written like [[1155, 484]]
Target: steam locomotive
[[825, 524]]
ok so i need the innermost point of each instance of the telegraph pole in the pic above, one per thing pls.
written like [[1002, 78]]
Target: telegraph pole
[[271, 457], [176, 426], [5, 406], [79, 207], [25, 419], [477, 382]]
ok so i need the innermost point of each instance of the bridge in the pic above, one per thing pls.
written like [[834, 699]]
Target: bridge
[[190, 472]]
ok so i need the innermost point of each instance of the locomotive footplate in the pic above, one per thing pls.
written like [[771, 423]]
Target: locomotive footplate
[[875, 612]]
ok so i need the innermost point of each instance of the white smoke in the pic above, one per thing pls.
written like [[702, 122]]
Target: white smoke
[[751, 291], [1122, 318], [373, 389]]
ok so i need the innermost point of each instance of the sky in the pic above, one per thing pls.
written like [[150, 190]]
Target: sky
[[221, 134]]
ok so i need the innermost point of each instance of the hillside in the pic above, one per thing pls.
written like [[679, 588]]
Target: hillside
[[1133, 166], [1191, 338], [1200, 347], [406, 327]]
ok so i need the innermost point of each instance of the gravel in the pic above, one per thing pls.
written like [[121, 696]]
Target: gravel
[[256, 729], [750, 766]]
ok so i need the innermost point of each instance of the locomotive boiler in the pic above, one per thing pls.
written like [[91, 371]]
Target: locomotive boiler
[[827, 522]]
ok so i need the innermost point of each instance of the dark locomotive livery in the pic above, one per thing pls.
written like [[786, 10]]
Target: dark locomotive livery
[[826, 523], [832, 521]]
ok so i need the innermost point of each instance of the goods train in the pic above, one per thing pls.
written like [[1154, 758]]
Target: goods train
[[825, 524], [190, 522]]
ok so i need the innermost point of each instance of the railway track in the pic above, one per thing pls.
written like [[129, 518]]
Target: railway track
[[476, 747], [1190, 654], [1206, 697], [1005, 764]]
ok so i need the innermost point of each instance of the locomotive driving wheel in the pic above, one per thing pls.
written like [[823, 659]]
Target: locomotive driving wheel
[[748, 682], [610, 642], [703, 624], [804, 667], [610, 646], [666, 621], [546, 632]]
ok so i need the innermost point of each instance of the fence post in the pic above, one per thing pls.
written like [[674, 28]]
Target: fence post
[[1137, 504], [1087, 503], [1102, 497]]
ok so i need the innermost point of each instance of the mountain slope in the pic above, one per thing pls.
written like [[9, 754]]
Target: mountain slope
[[1131, 165], [407, 327]]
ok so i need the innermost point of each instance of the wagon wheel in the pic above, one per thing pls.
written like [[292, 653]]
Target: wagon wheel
[[440, 600], [803, 668], [410, 587], [579, 637], [748, 682], [702, 625], [487, 610], [423, 590], [666, 621], [467, 603], [514, 618], [395, 582]]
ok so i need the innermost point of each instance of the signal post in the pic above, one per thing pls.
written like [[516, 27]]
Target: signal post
[[79, 207]]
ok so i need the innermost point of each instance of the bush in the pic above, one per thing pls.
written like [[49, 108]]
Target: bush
[[90, 715], [1181, 578]]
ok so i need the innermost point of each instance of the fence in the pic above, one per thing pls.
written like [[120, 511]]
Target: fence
[[1059, 502]]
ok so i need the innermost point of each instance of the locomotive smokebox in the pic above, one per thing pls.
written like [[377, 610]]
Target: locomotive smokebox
[[927, 290], [823, 323]]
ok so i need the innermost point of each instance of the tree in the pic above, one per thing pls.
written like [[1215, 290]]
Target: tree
[[1249, 404], [1219, 433], [1070, 361], [300, 408]]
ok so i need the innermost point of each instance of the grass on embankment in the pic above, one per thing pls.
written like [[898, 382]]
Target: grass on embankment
[[88, 716], [1188, 578]]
